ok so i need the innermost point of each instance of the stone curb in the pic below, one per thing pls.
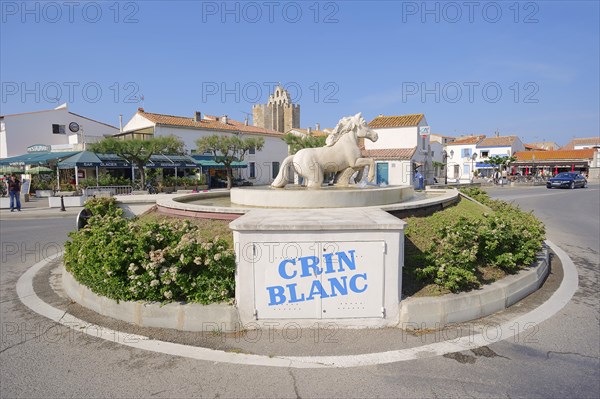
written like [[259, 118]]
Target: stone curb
[[436, 312], [415, 313], [184, 317]]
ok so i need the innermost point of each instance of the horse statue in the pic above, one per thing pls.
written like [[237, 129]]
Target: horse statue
[[340, 155]]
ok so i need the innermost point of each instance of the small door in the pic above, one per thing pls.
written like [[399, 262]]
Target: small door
[[382, 173]]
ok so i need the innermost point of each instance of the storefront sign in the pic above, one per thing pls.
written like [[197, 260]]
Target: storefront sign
[[38, 148]]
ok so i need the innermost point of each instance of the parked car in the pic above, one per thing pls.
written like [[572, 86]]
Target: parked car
[[567, 180]]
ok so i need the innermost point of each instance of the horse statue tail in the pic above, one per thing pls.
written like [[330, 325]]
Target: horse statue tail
[[281, 179]]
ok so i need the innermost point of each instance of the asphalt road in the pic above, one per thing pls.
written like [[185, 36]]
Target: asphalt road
[[557, 358]]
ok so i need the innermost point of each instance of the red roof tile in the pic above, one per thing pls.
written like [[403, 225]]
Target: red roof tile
[[396, 121], [467, 140], [232, 126], [555, 155], [501, 141], [389, 153]]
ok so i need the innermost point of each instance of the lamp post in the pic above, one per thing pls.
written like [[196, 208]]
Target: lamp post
[[534, 171], [473, 158], [445, 157]]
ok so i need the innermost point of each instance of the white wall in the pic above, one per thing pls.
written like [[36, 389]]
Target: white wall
[[460, 161], [23, 130], [395, 137]]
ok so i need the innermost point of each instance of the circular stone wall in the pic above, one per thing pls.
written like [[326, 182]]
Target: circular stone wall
[[326, 197]]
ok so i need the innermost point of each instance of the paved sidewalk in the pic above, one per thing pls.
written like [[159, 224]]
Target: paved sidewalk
[[36, 208]]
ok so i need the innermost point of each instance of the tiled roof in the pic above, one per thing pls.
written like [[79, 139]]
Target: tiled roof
[[232, 125], [389, 153], [501, 141], [555, 155], [467, 140], [587, 141], [396, 121], [531, 147]]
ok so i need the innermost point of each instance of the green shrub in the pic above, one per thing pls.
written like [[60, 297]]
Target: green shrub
[[508, 239], [166, 261], [103, 206]]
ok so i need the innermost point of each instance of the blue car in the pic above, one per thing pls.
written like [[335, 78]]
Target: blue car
[[567, 180]]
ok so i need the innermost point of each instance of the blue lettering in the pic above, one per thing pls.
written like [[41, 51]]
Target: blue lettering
[[282, 271], [353, 286], [293, 296], [335, 283], [315, 289], [310, 262], [328, 263], [276, 296], [343, 258]]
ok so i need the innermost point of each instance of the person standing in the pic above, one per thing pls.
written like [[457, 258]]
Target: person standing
[[14, 190]]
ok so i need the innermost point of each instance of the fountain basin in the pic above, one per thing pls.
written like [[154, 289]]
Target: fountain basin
[[326, 197]]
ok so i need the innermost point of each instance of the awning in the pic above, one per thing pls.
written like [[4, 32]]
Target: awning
[[484, 165], [210, 163], [37, 158], [83, 159], [171, 161]]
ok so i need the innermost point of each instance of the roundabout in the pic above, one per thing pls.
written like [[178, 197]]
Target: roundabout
[[478, 334]]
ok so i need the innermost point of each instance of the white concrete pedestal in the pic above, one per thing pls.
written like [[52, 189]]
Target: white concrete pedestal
[[304, 267]]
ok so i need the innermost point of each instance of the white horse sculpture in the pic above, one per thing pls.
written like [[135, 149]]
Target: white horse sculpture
[[340, 155]]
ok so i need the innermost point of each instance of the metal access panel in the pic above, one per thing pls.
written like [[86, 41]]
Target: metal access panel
[[362, 288], [319, 280], [271, 288]]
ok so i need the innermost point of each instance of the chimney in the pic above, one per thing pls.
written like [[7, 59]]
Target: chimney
[[197, 116], [224, 119], [246, 121], [318, 126], [120, 123], [308, 130], [497, 133], [140, 109]]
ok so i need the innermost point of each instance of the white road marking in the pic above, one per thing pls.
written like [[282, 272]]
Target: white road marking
[[556, 302]]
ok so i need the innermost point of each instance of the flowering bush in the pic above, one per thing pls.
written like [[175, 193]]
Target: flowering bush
[[508, 239], [167, 261]]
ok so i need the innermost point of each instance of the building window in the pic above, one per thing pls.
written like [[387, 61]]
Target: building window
[[275, 169], [252, 151], [252, 172], [466, 152], [485, 154], [58, 129], [432, 154], [466, 169]]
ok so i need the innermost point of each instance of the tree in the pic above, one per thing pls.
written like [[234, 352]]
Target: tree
[[229, 149], [501, 161], [296, 143], [138, 151]]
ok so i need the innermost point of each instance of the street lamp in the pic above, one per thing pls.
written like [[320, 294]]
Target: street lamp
[[534, 171], [445, 156], [473, 158]]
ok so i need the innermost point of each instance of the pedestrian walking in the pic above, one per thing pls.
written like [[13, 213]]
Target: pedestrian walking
[[14, 190]]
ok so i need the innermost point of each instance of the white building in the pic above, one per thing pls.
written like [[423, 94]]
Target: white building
[[503, 146], [262, 166], [58, 128], [403, 146], [461, 163], [438, 143], [582, 143]]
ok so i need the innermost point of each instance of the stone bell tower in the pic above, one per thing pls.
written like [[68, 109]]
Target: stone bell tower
[[278, 114]]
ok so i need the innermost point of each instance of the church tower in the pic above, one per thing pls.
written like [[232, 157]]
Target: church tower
[[278, 114]]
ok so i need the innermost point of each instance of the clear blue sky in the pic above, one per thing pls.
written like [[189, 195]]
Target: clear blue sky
[[445, 59]]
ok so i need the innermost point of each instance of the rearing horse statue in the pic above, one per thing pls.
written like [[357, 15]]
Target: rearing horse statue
[[340, 155]]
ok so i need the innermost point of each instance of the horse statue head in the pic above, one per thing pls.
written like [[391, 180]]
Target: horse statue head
[[355, 124]]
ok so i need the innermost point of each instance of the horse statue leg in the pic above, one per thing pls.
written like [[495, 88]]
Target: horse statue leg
[[362, 162], [342, 179]]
